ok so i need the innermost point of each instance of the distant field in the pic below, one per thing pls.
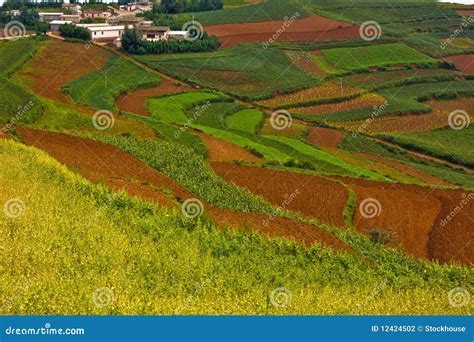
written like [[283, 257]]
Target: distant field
[[375, 55], [449, 144], [100, 89], [248, 71]]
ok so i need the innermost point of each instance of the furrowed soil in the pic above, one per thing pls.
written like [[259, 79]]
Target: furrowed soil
[[464, 63], [103, 163], [136, 101], [324, 137], [415, 217], [309, 195], [364, 101], [222, 151], [58, 63], [313, 28]]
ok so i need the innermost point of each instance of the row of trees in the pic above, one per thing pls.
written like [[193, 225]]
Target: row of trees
[[133, 44], [180, 6], [74, 32]]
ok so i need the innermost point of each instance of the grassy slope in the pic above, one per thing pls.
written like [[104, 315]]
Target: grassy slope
[[110, 240], [100, 89]]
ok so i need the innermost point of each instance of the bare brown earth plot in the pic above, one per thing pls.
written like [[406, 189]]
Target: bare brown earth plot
[[107, 164], [312, 28], [220, 150], [412, 215], [464, 63], [136, 101], [324, 137]]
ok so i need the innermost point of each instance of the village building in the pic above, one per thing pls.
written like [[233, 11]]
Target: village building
[[153, 33], [72, 8], [75, 18], [50, 16], [106, 33], [96, 14]]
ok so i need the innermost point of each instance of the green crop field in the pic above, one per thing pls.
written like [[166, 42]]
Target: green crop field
[[245, 120], [375, 55], [13, 54], [100, 89], [449, 144], [248, 71], [172, 109]]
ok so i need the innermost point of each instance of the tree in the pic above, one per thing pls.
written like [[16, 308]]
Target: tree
[[41, 28]]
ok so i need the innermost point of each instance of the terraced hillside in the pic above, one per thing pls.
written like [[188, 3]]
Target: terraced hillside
[[303, 154]]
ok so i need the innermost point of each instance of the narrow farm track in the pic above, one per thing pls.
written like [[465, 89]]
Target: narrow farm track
[[425, 156], [312, 196], [417, 218], [103, 163]]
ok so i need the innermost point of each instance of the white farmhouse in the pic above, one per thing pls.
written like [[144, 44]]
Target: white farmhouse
[[54, 25], [50, 16], [106, 33]]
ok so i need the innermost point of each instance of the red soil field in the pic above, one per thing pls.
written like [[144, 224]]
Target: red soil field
[[466, 13], [309, 195], [220, 150], [136, 101], [312, 28], [103, 163], [415, 215], [364, 101], [464, 63], [324, 137], [59, 63]]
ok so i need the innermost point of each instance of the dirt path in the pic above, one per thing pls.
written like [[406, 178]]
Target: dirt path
[[102, 163]]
